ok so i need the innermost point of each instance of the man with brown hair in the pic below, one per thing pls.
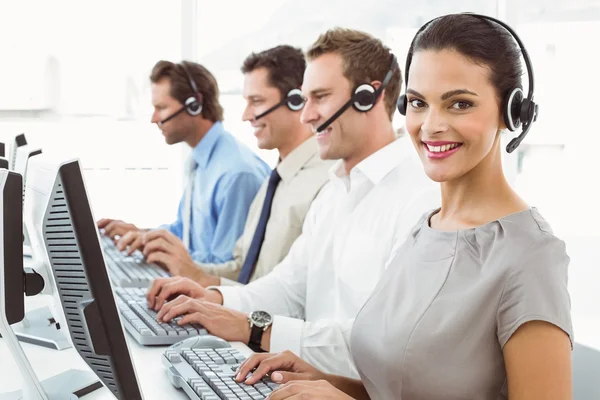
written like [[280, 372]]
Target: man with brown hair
[[223, 175], [377, 193], [272, 82]]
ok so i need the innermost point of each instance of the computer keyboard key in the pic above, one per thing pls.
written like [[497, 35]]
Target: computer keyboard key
[[216, 368], [142, 323]]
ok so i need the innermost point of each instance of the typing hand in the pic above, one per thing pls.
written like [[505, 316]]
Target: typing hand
[[220, 321], [115, 227], [283, 367], [132, 241], [165, 289], [309, 390], [167, 250]]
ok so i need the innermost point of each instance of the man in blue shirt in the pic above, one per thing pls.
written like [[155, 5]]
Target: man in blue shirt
[[223, 176]]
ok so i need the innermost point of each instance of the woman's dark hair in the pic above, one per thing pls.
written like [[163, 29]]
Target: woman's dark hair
[[482, 41]]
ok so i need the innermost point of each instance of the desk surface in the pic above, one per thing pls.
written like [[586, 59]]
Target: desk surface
[[47, 363], [147, 360]]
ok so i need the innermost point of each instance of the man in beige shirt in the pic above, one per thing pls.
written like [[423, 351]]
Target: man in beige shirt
[[272, 81]]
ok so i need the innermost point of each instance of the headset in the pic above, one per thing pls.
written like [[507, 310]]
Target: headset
[[193, 104], [364, 98], [517, 110], [293, 100]]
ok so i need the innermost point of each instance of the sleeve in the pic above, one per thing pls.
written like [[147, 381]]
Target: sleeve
[[283, 291], [233, 196], [176, 228], [536, 290], [323, 343], [228, 270]]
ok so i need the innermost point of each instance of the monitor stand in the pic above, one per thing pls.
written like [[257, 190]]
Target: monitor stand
[[39, 328], [70, 385], [27, 251]]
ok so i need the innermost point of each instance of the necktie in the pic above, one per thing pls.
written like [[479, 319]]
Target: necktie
[[190, 169], [259, 234]]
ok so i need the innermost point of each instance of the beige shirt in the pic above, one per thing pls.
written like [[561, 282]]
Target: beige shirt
[[303, 173]]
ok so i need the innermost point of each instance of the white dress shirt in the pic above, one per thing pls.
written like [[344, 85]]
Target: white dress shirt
[[351, 231]]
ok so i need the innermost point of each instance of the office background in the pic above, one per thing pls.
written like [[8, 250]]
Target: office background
[[74, 79]]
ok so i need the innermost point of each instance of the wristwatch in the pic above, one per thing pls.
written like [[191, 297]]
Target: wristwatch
[[259, 322]]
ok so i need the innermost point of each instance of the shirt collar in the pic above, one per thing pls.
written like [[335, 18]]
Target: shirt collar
[[376, 166], [203, 150], [293, 163]]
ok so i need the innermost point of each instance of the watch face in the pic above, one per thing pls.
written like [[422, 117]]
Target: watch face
[[261, 318]]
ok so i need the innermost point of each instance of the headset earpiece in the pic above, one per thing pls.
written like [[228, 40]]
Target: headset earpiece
[[402, 104], [294, 100], [528, 110], [363, 98], [193, 106], [511, 109]]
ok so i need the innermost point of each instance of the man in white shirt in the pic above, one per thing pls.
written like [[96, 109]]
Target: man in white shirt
[[378, 191]]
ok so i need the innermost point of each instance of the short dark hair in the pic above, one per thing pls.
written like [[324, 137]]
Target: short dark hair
[[482, 41], [285, 65], [181, 87], [365, 59]]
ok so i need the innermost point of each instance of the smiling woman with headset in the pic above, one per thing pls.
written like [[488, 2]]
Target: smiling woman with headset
[[475, 304]]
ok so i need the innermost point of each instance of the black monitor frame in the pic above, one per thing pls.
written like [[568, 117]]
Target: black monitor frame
[[77, 264]]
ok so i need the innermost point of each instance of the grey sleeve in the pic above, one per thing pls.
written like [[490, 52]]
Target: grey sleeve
[[536, 290]]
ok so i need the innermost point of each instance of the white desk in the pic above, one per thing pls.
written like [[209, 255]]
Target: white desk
[[46, 363]]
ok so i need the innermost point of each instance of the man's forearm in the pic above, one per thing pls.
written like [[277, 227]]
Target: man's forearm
[[229, 270], [203, 278], [352, 387]]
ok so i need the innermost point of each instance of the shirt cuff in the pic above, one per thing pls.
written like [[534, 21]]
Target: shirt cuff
[[231, 296], [286, 334], [229, 282]]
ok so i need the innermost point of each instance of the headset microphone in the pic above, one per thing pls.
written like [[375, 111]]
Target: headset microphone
[[293, 100], [170, 117], [364, 98]]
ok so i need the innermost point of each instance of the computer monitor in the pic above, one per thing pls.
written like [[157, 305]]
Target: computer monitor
[[11, 253], [18, 141], [22, 156], [65, 236], [3, 159], [40, 325], [14, 282]]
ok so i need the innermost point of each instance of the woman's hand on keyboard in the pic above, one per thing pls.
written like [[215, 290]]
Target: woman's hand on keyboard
[[309, 390], [283, 367]]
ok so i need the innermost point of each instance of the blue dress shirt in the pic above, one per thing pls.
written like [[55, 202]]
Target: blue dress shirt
[[227, 177]]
